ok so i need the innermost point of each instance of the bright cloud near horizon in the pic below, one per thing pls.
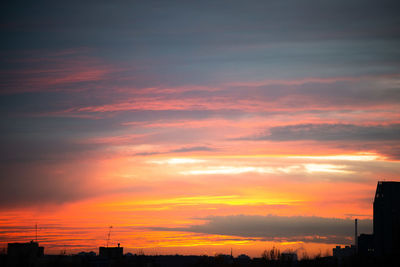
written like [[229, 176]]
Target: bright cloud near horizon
[[196, 127]]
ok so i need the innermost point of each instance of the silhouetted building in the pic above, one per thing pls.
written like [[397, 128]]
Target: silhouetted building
[[387, 219], [111, 252], [365, 244], [341, 253], [25, 250], [24, 254]]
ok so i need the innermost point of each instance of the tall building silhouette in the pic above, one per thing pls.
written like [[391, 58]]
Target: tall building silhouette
[[387, 219]]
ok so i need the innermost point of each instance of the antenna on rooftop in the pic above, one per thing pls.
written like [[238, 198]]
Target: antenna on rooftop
[[108, 237], [36, 231]]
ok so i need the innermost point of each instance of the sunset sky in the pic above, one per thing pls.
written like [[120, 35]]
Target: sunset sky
[[194, 127]]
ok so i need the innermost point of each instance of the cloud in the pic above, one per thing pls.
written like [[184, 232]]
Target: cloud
[[192, 149], [332, 132], [197, 43], [50, 183], [354, 93], [311, 19], [47, 148], [348, 92], [280, 228], [64, 70], [42, 184], [178, 150]]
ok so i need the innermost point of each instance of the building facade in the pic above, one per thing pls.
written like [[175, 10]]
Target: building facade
[[387, 219]]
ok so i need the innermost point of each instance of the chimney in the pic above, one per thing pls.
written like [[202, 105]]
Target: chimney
[[355, 235]]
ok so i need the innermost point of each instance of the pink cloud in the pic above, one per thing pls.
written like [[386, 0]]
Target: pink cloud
[[55, 71]]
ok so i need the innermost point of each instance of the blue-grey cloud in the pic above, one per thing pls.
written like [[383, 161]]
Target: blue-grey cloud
[[178, 150], [177, 19], [332, 132], [52, 183], [41, 184], [192, 149], [365, 92], [271, 227], [183, 42]]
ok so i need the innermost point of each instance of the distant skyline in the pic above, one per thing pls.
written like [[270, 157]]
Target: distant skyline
[[194, 127]]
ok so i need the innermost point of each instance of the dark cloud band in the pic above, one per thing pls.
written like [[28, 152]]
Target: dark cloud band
[[332, 132], [298, 228]]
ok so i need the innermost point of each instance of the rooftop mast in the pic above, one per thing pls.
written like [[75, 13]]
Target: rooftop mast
[[108, 237]]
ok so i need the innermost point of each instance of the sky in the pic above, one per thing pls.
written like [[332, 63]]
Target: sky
[[194, 127]]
